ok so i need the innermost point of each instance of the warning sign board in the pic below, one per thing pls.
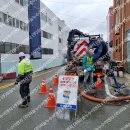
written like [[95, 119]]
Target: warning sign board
[[67, 92]]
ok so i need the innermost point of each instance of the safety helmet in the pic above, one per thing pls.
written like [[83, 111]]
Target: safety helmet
[[21, 54], [91, 51]]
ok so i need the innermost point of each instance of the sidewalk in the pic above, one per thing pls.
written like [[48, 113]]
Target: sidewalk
[[9, 82]]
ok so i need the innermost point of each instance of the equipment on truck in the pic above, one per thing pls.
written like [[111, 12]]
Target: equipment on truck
[[78, 45]]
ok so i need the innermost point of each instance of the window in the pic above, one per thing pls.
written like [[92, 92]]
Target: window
[[117, 16], [60, 40], [13, 48], [26, 27], [14, 25], [10, 20], [47, 51], [22, 48], [5, 18], [50, 51], [17, 48], [22, 2], [118, 2], [47, 35], [128, 36], [21, 25], [0, 16], [59, 28], [49, 21], [117, 45], [25, 2], [17, 1], [2, 47], [17, 23], [44, 17], [44, 50], [44, 34], [7, 47], [27, 49]]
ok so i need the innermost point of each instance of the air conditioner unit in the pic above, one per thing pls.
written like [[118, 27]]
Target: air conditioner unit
[[117, 29]]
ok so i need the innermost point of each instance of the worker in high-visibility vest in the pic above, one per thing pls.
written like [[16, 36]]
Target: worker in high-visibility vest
[[88, 67], [25, 71]]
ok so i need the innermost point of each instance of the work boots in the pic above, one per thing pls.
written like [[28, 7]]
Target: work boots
[[28, 99], [24, 104]]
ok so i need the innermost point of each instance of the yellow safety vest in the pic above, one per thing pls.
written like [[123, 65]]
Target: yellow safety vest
[[89, 61], [24, 66]]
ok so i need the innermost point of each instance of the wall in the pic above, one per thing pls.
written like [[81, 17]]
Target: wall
[[110, 26], [13, 35], [117, 46], [110, 23], [9, 65]]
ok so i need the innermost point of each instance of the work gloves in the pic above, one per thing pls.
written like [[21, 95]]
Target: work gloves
[[85, 71], [15, 83]]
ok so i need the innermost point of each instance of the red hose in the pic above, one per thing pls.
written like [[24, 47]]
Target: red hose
[[94, 99]]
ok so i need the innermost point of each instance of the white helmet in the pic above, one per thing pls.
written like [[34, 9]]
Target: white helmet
[[21, 54], [91, 51]]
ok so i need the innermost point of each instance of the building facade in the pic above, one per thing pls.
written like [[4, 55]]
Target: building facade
[[121, 38], [14, 32], [117, 39], [110, 25]]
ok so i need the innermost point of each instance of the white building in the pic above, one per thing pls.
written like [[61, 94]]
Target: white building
[[14, 33]]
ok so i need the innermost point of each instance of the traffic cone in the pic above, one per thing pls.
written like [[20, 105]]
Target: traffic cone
[[43, 88], [51, 103], [98, 83], [51, 89], [56, 80]]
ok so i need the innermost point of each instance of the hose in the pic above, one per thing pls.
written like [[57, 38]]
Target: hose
[[101, 100]]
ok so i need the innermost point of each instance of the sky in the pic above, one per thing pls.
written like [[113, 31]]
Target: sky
[[89, 16]]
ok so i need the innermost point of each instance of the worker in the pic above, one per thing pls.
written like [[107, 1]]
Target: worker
[[25, 71], [88, 67]]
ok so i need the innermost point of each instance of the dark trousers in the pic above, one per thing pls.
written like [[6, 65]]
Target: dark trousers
[[24, 90]]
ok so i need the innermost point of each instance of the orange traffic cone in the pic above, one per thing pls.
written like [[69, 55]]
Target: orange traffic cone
[[56, 80], [98, 83], [51, 103], [43, 88], [51, 89]]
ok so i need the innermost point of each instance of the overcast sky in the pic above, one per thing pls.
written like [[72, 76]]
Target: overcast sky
[[88, 16]]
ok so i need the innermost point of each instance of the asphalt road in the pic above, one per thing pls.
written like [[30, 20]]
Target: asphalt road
[[90, 116]]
